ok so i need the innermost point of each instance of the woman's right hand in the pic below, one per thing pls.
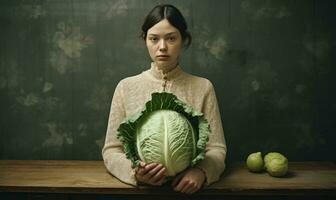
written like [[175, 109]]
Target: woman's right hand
[[152, 173]]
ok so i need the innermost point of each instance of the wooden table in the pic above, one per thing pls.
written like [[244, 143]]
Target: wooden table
[[45, 179]]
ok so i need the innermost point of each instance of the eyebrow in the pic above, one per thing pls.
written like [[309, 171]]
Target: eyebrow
[[152, 34]]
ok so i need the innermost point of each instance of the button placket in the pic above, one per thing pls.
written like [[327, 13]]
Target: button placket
[[164, 84]]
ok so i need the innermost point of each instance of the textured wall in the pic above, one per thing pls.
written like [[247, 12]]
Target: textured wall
[[272, 63]]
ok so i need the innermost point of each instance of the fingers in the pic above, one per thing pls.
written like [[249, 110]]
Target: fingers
[[142, 164], [153, 173], [189, 182], [177, 180], [191, 188], [181, 185], [141, 171], [151, 166], [152, 170], [159, 175], [144, 168], [187, 187], [159, 181]]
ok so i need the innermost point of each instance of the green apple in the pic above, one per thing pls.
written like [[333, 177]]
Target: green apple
[[254, 162]]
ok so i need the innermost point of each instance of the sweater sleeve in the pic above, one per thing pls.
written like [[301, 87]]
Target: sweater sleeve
[[113, 154], [214, 163]]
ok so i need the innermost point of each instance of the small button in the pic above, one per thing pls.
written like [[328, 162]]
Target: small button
[[165, 77], [163, 85]]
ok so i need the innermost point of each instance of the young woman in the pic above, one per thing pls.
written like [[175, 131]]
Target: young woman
[[165, 34]]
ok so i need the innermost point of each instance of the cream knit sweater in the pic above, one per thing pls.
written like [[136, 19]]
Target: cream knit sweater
[[130, 96]]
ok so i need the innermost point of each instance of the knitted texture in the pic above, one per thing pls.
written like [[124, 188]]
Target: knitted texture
[[130, 97]]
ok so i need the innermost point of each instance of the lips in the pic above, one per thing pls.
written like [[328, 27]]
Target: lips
[[162, 56]]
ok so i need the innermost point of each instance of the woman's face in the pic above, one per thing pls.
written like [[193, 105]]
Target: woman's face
[[164, 43]]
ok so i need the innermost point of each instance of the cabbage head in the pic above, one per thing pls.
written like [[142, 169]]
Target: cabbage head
[[166, 131], [276, 164]]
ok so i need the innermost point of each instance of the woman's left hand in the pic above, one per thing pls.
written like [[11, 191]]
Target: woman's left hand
[[189, 181]]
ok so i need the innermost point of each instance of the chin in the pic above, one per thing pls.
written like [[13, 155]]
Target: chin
[[162, 63]]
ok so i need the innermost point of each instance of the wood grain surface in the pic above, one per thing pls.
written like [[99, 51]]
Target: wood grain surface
[[65, 176]]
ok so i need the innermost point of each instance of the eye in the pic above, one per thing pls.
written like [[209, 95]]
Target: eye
[[153, 39], [171, 39]]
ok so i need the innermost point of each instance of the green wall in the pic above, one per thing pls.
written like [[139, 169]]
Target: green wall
[[272, 63]]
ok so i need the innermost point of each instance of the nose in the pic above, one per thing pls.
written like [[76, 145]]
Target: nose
[[162, 45]]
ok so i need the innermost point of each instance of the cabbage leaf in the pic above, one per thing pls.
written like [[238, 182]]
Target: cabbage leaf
[[166, 131]]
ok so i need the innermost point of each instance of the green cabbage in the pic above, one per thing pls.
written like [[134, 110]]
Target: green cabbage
[[166, 131], [276, 164]]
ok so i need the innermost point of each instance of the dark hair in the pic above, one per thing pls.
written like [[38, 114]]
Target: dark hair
[[173, 15]]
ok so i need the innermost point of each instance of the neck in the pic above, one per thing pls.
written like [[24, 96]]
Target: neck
[[166, 68]]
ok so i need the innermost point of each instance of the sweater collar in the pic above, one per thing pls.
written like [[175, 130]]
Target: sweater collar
[[158, 73]]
